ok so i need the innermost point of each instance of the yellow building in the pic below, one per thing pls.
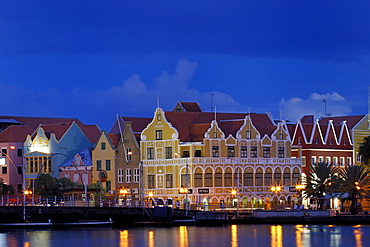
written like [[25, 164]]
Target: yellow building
[[103, 160], [212, 160]]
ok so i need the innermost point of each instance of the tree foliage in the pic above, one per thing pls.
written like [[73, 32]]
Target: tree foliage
[[364, 151], [6, 189], [355, 183], [47, 185]]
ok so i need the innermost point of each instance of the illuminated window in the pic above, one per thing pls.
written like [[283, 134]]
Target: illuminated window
[[158, 134], [215, 151], [128, 176], [169, 181], [253, 152], [150, 153], [266, 152], [281, 152], [244, 151], [168, 152]]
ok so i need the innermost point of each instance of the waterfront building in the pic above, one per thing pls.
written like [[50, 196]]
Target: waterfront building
[[104, 157], [329, 139], [127, 132], [13, 133], [214, 159], [51, 146]]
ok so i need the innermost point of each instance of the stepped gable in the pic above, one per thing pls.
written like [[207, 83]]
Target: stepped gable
[[15, 133], [187, 107], [34, 122], [192, 125]]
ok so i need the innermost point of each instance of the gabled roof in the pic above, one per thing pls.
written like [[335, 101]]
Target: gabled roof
[[92, 132], [193, 125], [34, 122], [114, 139], [138, 124], [187, 107], [15, 133]]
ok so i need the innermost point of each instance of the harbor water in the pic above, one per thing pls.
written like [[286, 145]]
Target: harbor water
[[184, 236]]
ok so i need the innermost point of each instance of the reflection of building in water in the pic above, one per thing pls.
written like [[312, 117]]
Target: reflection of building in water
[[277, 236], [151, 241], [123, 238], [234, 235], [358, 237], [184, 240]]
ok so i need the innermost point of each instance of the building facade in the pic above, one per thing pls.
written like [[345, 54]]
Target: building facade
[[210, 160]]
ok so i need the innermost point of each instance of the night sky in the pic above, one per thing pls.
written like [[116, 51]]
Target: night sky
[[96, 59]]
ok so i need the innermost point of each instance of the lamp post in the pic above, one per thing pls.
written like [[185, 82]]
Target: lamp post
[[186, 190], [276, 189], [124, 192], [20, 177], [25, 193], [234, 197]]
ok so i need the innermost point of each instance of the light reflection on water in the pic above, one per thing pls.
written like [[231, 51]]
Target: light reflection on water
[[188, 236]]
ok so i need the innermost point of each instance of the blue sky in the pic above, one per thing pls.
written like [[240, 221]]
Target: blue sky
[[95, 59]]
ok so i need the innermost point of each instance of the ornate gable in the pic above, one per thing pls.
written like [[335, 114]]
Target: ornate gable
[[214, 132], [159, 128], [248, 130]]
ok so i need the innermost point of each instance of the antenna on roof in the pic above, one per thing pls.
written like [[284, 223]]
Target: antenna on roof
[[212, 94], [215, 113], [368, 100], [157, 101]]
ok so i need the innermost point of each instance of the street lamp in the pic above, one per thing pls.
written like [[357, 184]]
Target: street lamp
[[186, 190], [124, 192], [25, 193], [234, 194], [276, 189]]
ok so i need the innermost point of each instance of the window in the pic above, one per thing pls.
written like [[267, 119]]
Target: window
[[286, 178], [150, 153], [108, 185], [151, 181], [327, 160], [120, 175], [303, 160], [128, 176], [358, 157], [295, 177], [19, 152], [238, 177], [136, 175], [281, 152], [186, 153], [341, 161], [335, 161], [128, 154], [268, 178], [253, 152], [215, 151], [98, 165], [259, 179], [208, 179], [218, 179], [103, 146], [158, 134], [168, 152], [230, 151], [349, 161], [20, 170], [248, 179], [4, 170], [244, 151], [248, 134], [107, 165], [198, 153], [198, 179], [228, 179], [214, 134], [321, 159], [159, 118], [281, 136], [266, 152], [169, 181], [277, 177], [313, 160], [4, 152]]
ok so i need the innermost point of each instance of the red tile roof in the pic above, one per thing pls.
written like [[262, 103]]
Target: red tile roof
[[15, 133], [114, 139], [34, 122], [190, 106]]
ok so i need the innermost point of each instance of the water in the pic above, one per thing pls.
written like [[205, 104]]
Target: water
[[184, 236]]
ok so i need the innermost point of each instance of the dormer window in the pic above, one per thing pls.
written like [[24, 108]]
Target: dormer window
[[214, 134], [159, 118]]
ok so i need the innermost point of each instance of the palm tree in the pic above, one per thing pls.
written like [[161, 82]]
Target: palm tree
[[320, 180], [364, 151], [355, 182]]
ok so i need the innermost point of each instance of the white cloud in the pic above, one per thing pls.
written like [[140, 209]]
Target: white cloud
[[335, 105]]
